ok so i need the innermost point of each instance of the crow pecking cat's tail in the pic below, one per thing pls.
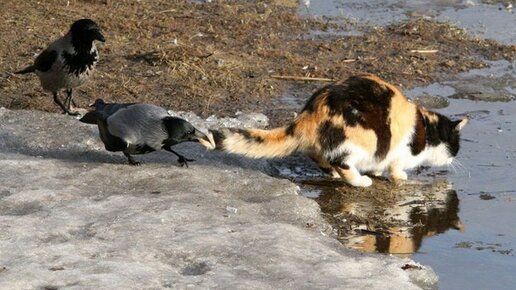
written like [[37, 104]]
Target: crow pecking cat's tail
[[258, 143]]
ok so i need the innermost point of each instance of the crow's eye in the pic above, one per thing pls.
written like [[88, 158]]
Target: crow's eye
[[189, 133]]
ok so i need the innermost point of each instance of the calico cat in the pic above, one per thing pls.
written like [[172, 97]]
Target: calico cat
[[362, 124]]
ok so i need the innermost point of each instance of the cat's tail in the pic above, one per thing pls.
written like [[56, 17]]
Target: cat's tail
[[257, 143]]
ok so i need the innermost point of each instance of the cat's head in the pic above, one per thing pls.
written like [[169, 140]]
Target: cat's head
[[442, 137]]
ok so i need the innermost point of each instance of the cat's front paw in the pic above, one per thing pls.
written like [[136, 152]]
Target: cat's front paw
[[361, 181], [378, 173], [398, 175]]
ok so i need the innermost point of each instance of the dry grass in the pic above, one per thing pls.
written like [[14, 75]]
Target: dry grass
[[218, 57]]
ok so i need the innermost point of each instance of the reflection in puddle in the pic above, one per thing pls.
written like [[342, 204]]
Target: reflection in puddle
[[384, 218], [394, 221]]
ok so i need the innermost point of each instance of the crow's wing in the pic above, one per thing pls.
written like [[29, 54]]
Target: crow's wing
[[139, 124], [45, 60]]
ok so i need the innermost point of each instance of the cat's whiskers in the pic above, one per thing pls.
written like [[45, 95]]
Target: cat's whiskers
[[464, 168], [458, 167], [452, 166]]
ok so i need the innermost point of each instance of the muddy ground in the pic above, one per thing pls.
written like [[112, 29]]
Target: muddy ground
[[218, 57]]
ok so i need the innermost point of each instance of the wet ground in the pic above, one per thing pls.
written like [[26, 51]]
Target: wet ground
[[494, 21], [458, 219], [482, 255]]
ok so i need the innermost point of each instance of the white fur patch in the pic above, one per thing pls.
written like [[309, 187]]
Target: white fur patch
[[432, 155], [363, 161]]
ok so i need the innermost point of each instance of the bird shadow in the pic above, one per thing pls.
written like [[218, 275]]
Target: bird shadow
[[76, 154]]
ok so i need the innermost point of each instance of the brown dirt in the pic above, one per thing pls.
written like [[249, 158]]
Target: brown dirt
[[217, 58]]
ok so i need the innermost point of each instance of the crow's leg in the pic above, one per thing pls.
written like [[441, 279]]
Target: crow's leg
[[63, 107], [131, 160], [59, 103], [183, 161], [69, 99]]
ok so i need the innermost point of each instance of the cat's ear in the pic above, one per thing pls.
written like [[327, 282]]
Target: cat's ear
[[459, 124]]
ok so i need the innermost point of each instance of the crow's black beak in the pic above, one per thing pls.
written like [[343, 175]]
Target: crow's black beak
[[97, 35], [203, 139]]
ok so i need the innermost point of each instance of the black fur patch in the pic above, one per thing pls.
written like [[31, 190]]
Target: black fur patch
[[432, 134], [218, 137], [45, 60], [344, 166], [418, 142], [80, 62], [326, 170], [247, 135], [443, 131], [310, 104], [366, 103], [290, 130], [340, 161], [330, 136], [454, 138]]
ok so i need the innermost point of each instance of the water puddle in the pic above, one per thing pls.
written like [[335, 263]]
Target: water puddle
[[495, 83], [494, 21], [486, 189]]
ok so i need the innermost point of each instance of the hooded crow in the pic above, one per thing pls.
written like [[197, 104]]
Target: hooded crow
[[141, 128], [68, 62]]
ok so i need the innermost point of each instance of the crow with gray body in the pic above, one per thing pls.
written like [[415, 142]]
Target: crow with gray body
[[141, 128], [68, 62]]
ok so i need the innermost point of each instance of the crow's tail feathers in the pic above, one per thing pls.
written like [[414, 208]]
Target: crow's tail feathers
[[29, 69], [91, 117]]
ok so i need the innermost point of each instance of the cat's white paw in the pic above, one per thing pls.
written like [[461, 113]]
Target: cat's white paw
[[378, 173], [361, 181], [335, 175], [399, 175]]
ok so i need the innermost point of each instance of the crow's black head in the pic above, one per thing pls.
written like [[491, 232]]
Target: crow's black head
[[85, 31], [99, 104], [180, 130]]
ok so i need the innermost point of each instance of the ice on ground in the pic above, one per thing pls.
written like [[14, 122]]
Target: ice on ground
[[251, 120], [74, 216]]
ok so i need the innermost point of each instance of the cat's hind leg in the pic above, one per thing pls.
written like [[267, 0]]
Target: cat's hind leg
[[324, 165], [351, 175]]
